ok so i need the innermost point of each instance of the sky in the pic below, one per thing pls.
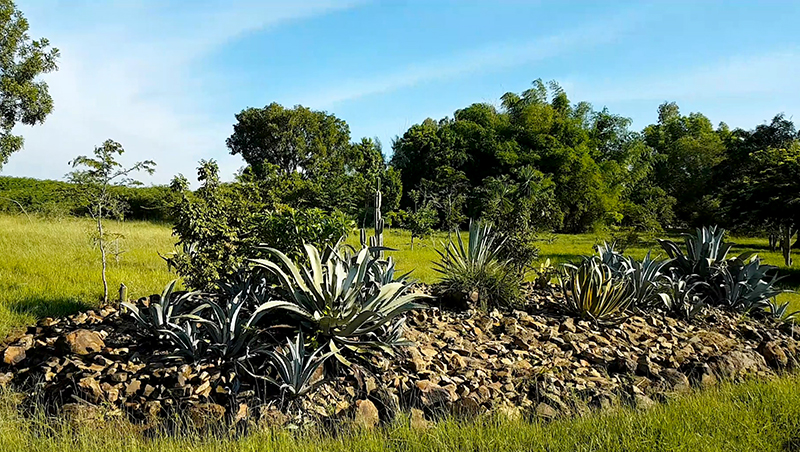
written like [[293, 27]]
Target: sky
[[165, 78]]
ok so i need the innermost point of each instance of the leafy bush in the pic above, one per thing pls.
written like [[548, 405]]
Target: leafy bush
[[222, 225], [592, 290], [478, 271]]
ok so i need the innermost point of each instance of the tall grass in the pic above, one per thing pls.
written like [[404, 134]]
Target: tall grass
[[754, 416], [51, 267]]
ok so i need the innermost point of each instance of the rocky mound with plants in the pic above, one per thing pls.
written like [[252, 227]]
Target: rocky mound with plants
[[342, 336]]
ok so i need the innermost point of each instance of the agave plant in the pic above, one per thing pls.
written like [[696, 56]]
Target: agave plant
[[228, 328], [645, 277], [344, 299], [186, 340], [780, 311], [612, 258], [295, 368], [706, 251], [683, 295], [591, 290], [160, 315], [747, 287], [544, 274], [478, 267]]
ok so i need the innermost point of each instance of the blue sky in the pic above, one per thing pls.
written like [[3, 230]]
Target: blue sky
[[165, 78]]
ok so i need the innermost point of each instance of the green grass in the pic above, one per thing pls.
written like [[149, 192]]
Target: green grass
[[753, 416], [49, 267]]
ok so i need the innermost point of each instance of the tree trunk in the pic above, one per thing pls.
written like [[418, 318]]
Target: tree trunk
[[773, 241], [102, 253], [797, 242], [786, 244]]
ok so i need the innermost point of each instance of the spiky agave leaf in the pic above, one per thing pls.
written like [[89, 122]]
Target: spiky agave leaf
[[591, 291], [158, 315], [294, 367]]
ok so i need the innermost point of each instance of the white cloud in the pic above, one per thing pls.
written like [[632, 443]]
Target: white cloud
[[492, 57], [774, 74], [125, 74]]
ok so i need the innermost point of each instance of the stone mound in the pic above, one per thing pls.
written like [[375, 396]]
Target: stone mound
[[539, 362]]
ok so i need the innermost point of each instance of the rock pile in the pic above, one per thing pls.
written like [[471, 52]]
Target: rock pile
[[535, 363]]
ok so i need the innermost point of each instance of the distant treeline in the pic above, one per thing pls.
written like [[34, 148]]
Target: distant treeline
[[57, 198]]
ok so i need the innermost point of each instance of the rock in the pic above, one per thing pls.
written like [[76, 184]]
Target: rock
[[739, 363], [5, 379], [241, 413], [510, 412], [643, 402], [418, 421], [366, 415], [676, 380], [623, 365], [466, 407], [567, 325], [431, 394], [203, 414], [133, 387], [81, 414], [14, 355], [545, 411], [91, 386], [81, 342], [774, 354]]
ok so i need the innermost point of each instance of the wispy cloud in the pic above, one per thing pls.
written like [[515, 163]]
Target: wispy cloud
[[489, 58], [126, 74], [774, 73]]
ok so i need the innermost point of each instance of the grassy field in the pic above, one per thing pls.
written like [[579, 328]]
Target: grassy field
[[754, 416], [50, 267]]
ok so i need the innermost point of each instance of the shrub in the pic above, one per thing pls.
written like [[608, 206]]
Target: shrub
[[478, 271], [593, 291], [222, 225]]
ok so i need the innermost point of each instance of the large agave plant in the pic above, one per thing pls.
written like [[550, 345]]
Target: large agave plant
[[613, 259], [592, 291], [747, 286], [780, 311], [160, 315], [706, 251], [227, 326], [344, 299]]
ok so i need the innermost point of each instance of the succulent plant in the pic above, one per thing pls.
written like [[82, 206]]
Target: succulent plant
[[295, 368], [592, 291], [341, 298], [683, 295], [159, 315]]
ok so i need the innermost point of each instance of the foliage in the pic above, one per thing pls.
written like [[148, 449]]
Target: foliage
[[223, 224], [747, 287], [592, 290], [683, 296], [159, 315], [705, 252], [544, 274], [24, 97], [347, 299], [295, 367], [478, 271]]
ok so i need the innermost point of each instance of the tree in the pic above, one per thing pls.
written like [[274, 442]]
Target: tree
[[23, 98], [688, 151], [768, 196], [95, 182], [313, 143]]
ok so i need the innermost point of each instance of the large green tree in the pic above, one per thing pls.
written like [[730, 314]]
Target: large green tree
[[293, 139], [23, 96], [688, 151]]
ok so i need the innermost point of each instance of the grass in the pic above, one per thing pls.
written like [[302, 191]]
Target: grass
[[753, 416], [50, 267]]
